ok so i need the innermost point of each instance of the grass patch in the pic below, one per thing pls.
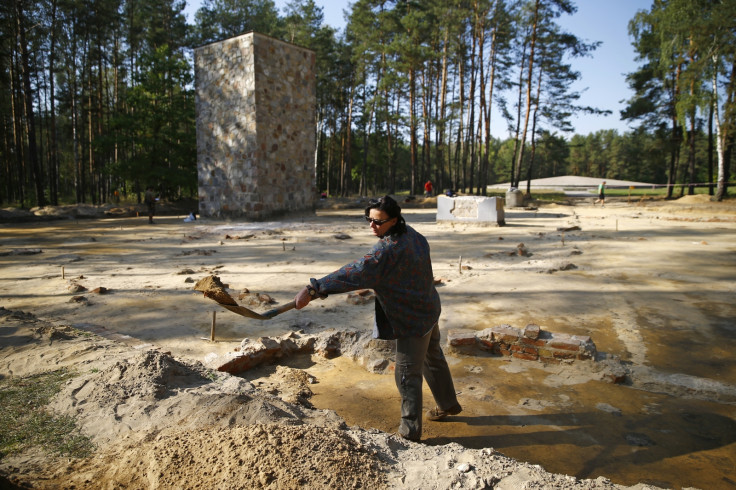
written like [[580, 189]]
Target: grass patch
[[25, 422]]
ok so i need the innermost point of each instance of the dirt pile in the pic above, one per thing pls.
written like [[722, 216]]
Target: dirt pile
[[253, 456], [651, 286], [161, 422], [150, 376]]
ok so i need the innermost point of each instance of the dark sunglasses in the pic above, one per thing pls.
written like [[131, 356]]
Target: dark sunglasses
[[377, 222]]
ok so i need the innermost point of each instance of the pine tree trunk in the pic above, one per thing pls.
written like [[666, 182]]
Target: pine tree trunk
[[720, 132], [412, 130], [527, 107], [36, 173], [675, 151], [347, 153], [54, 148], [442, 113]]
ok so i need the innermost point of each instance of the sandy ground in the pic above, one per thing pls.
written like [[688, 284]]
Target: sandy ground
[[651, 283]]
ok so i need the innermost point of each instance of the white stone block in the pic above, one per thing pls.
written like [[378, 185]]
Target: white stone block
[[471, 209]]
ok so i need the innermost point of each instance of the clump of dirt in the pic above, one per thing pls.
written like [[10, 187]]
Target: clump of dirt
[[51, 333], [213, 288], [289, 384]]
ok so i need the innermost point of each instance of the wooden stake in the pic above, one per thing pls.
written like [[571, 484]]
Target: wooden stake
[[212, 330], [460, 264], [62, 272]]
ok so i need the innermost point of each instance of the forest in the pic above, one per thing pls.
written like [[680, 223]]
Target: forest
[[98, 99]]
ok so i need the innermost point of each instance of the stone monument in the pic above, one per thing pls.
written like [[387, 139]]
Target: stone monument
[[471, 209], [255, 106]]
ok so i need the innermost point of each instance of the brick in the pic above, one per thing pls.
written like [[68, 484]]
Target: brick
[[524, 349], [240, 364], [461, 337], [486, 344], [563, 355], [526, 357], [501, 349], [546, 353], [505, 333], [536, 342], [564, 345], [506, 339], [531, 331]]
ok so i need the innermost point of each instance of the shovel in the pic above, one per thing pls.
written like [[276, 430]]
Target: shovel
[[213, 289], [243, 311]]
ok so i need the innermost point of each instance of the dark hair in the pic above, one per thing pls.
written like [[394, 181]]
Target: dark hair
[[389, 206]]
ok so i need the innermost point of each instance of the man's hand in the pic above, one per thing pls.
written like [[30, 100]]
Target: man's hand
[[302, 298]]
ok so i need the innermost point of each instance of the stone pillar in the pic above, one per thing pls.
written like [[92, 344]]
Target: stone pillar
[[255, 107]]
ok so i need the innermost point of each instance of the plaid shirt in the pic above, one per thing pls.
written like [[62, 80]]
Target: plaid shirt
[[398, 268]]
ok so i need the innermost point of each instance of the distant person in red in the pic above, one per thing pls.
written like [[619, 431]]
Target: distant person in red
[[428, 189]]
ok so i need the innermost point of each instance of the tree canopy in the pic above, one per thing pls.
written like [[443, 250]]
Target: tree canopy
[[99, 98]]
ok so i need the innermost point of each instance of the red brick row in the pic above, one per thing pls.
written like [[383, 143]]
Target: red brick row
[[532, 343]]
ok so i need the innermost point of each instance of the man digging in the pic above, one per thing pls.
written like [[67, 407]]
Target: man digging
[[398, 268]]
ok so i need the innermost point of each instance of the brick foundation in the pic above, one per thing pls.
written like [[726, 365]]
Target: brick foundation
[[531, 344]]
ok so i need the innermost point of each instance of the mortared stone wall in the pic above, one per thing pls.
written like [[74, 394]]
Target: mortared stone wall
[[255, 107]]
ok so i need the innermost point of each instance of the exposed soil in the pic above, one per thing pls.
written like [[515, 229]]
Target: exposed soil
[[652, 284]]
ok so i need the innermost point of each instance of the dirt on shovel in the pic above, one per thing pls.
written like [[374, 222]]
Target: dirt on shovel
[[212, 288]]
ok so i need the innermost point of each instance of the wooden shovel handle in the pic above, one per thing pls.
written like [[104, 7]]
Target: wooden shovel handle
[[277, 311], [243, 311]]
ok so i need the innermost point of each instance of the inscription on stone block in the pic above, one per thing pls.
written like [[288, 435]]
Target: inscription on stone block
[[471, 209]]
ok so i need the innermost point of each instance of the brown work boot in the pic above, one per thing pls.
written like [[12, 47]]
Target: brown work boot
[[436, 414]]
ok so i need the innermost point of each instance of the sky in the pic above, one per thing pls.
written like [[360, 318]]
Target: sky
[[603, 74]]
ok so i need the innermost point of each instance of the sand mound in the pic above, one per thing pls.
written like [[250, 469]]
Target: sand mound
[[150, 390], [159, 422], [696, 198], [256, 456], [150, 376]]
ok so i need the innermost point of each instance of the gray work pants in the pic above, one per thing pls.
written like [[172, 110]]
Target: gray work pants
[[416, 356]]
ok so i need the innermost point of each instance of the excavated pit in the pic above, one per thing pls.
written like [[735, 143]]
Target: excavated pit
[[651, 285]]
